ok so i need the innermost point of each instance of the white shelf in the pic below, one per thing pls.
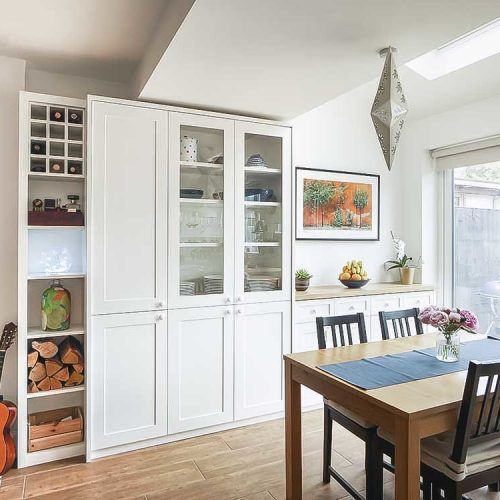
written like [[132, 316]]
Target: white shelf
[[263, 170], [262, 204], [47, 228], [52, 454], [49, 176], [54, 276], [201, 201], [201, 244], [35, 332], [263, 244], [55, 392], [202, 166]]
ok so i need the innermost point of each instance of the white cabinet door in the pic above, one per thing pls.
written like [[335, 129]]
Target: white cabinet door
[[128, 208], [128, 385], [262, 213], [262, 336], [200, 367], [201, 211]]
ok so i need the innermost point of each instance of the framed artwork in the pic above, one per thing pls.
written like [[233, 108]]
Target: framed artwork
[[333, 205]]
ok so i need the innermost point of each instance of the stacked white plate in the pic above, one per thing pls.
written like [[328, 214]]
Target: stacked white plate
[[213, 283], [187, 287], [262, 283]]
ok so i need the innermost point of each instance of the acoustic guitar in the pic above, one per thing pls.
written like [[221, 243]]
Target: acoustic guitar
[[8, 410]]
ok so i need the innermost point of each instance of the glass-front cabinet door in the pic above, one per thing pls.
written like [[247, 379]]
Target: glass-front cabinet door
[[263, 212], [201, 210]]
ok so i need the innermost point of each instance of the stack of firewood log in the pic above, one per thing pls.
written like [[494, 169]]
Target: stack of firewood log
[[52, 366]]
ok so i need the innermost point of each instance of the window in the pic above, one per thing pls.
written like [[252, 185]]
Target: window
[[476, 242]]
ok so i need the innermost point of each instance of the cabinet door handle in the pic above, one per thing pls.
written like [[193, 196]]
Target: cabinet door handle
[[238, 311], [159, 317], [239, 298], [160, 304], [228, 300], [227, 312], [386, 304], [351, 308], [313, 311]]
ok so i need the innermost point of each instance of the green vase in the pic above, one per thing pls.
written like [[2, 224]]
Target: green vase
[[56, 307]]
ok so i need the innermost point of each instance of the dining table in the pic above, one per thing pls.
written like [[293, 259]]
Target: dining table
[[408, 411]]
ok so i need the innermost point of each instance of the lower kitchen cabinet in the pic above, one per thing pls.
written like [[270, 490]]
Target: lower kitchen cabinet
[[262, 336], [200, 367], [129, 378]]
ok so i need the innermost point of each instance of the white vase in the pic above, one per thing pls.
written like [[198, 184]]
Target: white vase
[[448, 346], [189, 148]]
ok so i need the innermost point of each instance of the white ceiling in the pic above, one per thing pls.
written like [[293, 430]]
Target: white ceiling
[[102, 39], [281, 58]]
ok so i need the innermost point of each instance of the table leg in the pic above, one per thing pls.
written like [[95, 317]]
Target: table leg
[[407, 444], [293, 436]]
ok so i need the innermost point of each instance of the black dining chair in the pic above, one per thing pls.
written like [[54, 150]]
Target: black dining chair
[[401, 323], [455, 463], [349, 330]]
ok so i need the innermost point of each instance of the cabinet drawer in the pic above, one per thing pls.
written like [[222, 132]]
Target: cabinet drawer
[[306, 338], [419, 300], [385, 303], [351, 306], [305, 313]]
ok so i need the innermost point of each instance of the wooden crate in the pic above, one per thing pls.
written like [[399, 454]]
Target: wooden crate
[[46, 429]]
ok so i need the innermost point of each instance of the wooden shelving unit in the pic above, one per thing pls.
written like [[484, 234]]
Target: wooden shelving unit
[[52, 139]]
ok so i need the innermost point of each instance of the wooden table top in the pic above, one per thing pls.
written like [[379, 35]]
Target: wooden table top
[[339, 291], [411, 398]]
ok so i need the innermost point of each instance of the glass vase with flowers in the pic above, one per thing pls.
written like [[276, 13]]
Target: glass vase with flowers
[[448, 322]]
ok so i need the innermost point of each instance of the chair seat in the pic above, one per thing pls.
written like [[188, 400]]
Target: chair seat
[[436, 451], [349, 414]]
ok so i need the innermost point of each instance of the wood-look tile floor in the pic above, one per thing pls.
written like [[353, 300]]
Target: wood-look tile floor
[[244, 464]]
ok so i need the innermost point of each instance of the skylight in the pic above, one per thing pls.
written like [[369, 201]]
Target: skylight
[[472, 47]]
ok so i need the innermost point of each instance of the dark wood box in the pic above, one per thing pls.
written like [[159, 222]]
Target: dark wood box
[[55, 218]]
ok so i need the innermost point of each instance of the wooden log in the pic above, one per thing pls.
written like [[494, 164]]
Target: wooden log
[[53, 365], [55, 384], [79, 367], [32, 358], [44, 385], [74, 379], [32, 387], [62, 374], [47, 349], [71, 351], [37, 373]]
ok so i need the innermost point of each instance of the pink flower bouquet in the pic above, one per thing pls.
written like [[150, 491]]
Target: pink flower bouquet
[[449, 321]]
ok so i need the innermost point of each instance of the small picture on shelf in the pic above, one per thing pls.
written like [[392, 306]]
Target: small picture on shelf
[[53, 366], [38, 147], [38, 165], [75, 116], [56, 166]]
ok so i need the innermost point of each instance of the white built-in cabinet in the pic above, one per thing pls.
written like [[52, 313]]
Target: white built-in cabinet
[[190, 271], [200, 367], [128, 193], [261, 337], [129, 378]]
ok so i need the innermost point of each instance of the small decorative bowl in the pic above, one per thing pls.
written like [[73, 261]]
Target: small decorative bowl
[[354, 283]]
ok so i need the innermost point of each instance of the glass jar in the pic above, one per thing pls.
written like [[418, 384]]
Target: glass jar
[[448, 346], [56, 307]]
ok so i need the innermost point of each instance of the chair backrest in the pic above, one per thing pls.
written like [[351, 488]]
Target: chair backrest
[[400, 322], [479, 417], [342, 332]]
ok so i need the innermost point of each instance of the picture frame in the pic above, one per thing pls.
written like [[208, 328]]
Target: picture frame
[[336, 205]]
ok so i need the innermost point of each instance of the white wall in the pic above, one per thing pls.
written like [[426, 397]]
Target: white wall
[[423, 187], [44, 82], [11, 82], [339, 135]]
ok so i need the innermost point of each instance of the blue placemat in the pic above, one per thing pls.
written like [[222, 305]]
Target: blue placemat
[[392, 369]]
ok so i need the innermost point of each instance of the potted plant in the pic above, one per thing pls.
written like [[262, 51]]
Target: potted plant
[[402, 262], [302, 277], [448, 322]]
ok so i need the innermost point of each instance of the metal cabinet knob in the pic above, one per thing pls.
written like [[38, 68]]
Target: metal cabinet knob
[[238, 311], [160, 304], [159, 317], [313, 311], [228, 300], [227, 312]]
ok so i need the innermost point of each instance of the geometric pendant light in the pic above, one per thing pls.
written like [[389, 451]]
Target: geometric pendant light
[[389, 107]]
